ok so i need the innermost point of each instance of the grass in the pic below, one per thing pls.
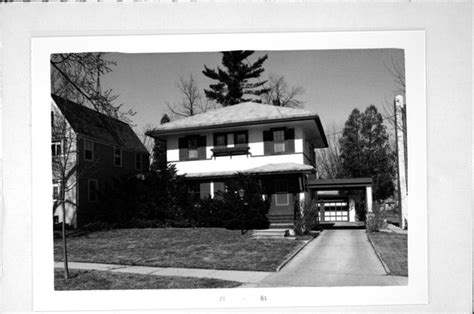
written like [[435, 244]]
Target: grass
[[101, 280], [209, 248], [393, 250]]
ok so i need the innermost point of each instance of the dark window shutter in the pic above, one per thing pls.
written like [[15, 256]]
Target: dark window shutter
[[183, 149], [267, 142], [202, 147], [204, 190], [290, 140]]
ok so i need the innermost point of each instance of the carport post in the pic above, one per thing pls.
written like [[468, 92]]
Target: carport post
[[368, 199]]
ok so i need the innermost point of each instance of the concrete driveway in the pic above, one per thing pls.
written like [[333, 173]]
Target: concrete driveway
[[335, 258]]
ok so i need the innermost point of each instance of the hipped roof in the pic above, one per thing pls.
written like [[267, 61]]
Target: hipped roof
[[247, 113]]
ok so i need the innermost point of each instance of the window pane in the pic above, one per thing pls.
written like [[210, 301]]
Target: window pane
[[279, 136], [88, 147], [279, 147], [241, 138], [220, 140], [192, 143], [192, 153], [117, 157]]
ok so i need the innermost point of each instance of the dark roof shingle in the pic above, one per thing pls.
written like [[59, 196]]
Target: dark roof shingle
[[99, 126]]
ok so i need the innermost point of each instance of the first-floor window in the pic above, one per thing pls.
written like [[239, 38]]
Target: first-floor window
[[56, 190], [117, 157], [93, 190], [138, 161]]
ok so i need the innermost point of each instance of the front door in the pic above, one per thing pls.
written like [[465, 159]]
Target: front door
[[282, 201]]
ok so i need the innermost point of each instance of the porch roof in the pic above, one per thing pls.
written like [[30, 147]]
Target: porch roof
[[335, 184], [265, 169]]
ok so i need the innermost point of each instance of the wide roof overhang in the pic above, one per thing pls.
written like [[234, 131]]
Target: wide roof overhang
[[339, 184], [161, 133]]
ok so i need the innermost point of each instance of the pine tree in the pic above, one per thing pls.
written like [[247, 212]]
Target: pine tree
[[233, 82], [365, 151]]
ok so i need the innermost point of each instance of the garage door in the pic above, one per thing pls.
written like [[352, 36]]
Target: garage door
[[334, 211]]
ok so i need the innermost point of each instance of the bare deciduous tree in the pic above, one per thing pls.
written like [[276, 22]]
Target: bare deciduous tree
[[328, 160], [282, 94], [66, 172], [76, 77], [191, 102]]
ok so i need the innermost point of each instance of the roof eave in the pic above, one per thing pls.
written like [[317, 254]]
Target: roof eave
[[158, 133]]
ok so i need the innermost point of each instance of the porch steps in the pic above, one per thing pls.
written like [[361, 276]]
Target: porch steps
[[273, 233], [280, 218], [281, 225]]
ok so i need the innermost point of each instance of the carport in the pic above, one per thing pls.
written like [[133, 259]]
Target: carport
[[333, 207]]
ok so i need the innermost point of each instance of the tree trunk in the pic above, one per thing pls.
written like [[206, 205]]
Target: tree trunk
[[66, 268]]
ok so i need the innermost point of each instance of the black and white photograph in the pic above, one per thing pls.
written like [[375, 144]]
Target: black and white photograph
[[229, 169], [205, 157]]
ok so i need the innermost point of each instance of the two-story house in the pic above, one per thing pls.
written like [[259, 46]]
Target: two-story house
[[89, 150], [276, 143]]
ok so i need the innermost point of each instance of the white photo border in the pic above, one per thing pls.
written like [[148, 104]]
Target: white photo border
[[45, 298]]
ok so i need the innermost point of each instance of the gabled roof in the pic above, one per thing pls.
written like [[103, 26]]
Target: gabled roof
[[246, 113], [91, 123]]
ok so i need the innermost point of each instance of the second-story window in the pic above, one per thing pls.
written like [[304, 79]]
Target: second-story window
[[56, 148], [241, 138], [192, 148], [138, 161], [88, 150], [117, 157], [279, 141], [220, 140]]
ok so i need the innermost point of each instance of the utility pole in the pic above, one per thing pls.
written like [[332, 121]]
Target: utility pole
[[400, 132]]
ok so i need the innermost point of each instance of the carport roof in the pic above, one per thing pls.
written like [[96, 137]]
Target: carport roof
[[336, 184]]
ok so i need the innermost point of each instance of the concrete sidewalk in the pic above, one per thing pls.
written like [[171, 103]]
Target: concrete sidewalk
[[247, 277]]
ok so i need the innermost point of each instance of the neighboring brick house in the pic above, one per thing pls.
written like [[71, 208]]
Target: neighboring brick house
[[89, 151], [276, 143]]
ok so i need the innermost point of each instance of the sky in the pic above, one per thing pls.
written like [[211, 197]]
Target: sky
[[335, 81]]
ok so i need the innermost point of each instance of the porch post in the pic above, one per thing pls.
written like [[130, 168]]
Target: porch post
[[368, 199], [211, 188]]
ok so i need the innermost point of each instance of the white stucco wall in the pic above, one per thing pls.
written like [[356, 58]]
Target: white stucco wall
[[235, 163]]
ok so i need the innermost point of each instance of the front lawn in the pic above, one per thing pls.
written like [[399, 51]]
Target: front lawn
[[102, 280], [393, 249], [210, 248]]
